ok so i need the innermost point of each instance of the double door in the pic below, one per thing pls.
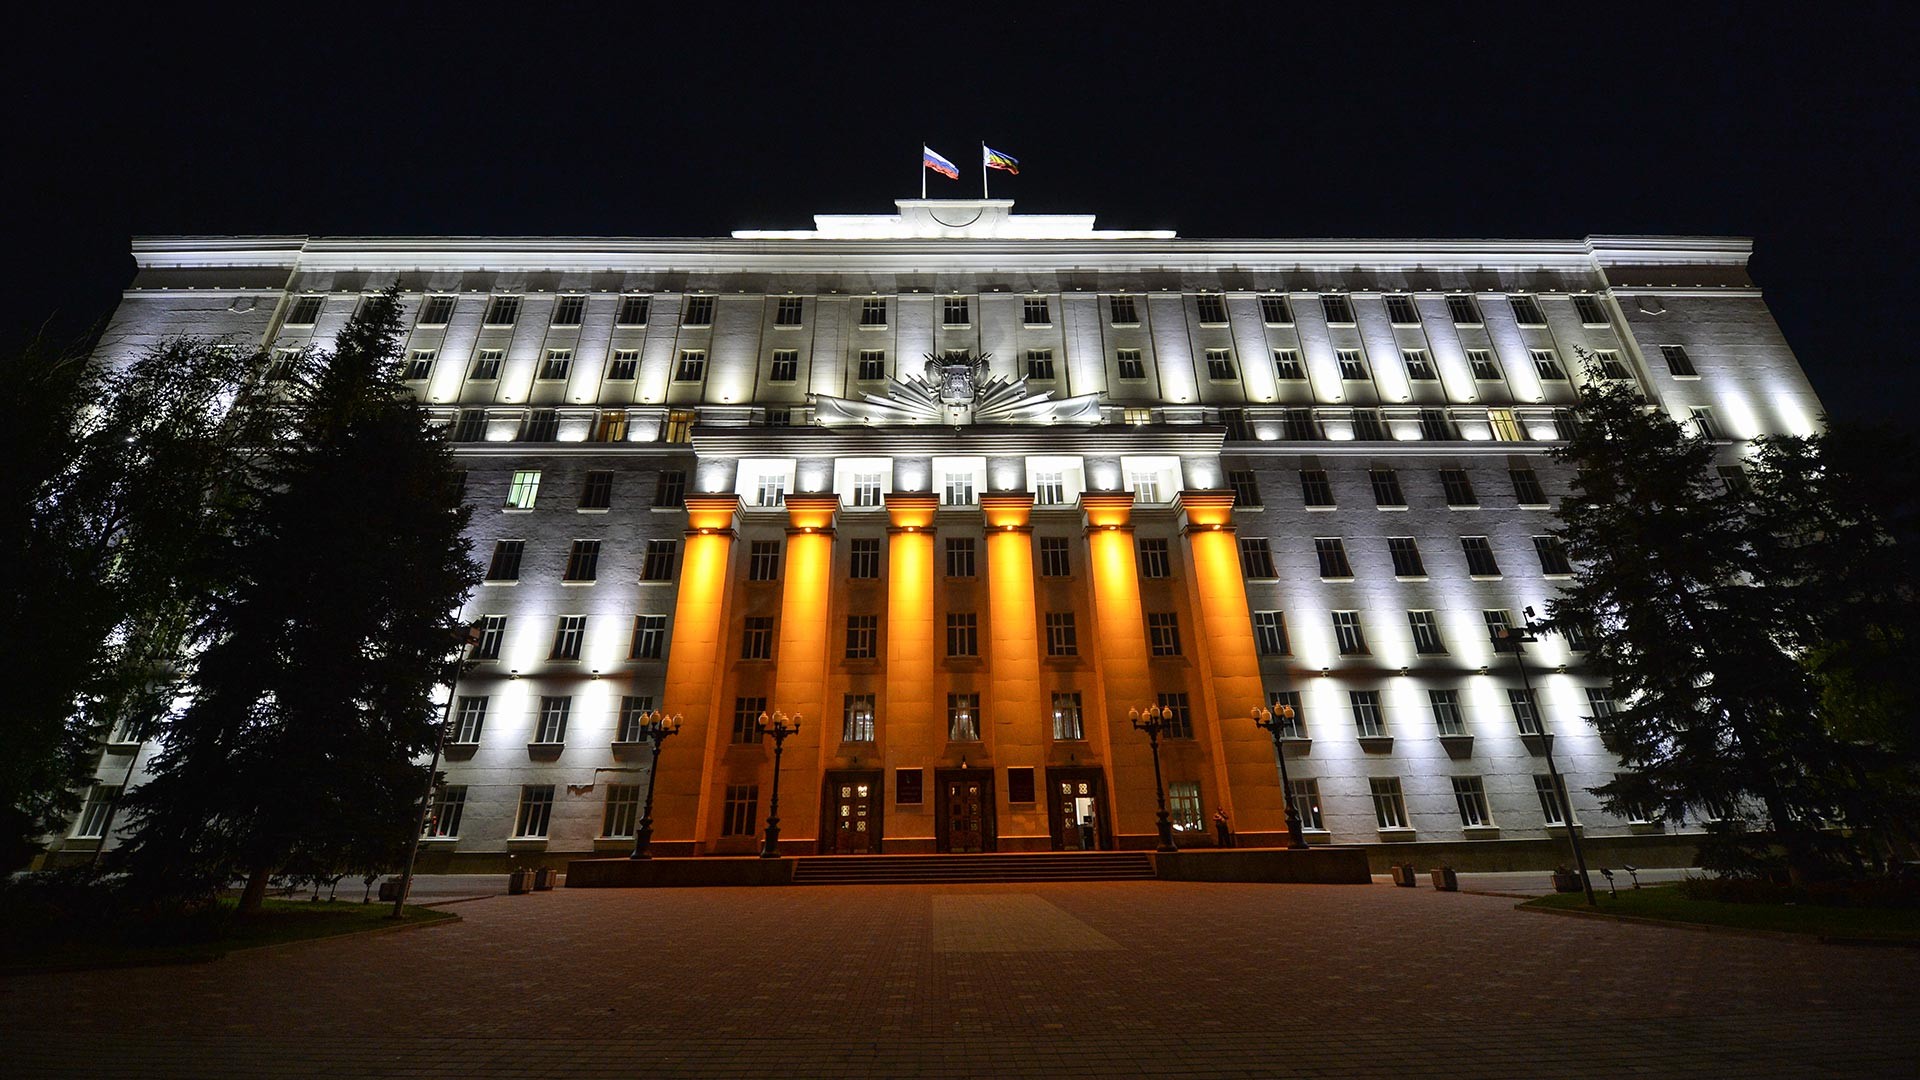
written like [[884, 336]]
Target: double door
[[853, 805], [1077, 810], [964, 821]]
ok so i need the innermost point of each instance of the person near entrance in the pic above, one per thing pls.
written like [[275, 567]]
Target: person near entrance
[[1220, 828], [1088, 839]]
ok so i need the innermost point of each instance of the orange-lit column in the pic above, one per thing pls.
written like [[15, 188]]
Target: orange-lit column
[[800, 684], [1126, 679], [1019, 709], [916, 734], [696, 662], [1242, 753]]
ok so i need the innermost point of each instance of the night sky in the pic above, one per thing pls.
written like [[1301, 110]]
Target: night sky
[[1796, 126]]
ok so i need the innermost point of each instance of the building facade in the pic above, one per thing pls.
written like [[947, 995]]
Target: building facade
[[960, 488]]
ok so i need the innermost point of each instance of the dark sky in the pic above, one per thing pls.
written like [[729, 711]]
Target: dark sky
[[1793, 125]]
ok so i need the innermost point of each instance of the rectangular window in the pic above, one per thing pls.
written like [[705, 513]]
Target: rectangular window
[[1547, 366], [1526, 711], [1275, 311], [536, 810], [1434, 425], [1400, 310], [1679, 364], [1337, 308], [864, 560], [670, 488], [1498, 622], [436, 311], [597, 492], [746, 719], [873, 365], [1298, 425], [1505, 427], [419, 365], [1256, 557], [1734, 479], [1367, 425], [787, 311], [552, 727], [543, 425], [622, 813], [1049, 489], [856, 718], [786, 365], [1553, 556], [1183, 806], [1062, 637], [1067, 723], [568, 633], [1367, 720], [770, 491], [1270, 633], [1146, 486], [1578, 635], [957, 490], [863, 637], [1295, 728], [503, 311], [867, 489], [1458, 487], [567, 310], [469, 717], [1055, 560], [1446, 712], [92, 823], [1485, 367], [1419, 365], [963, 634], [649, 637], [1333, 557], [1131, 365], [583, 561], [610, 426], [1137, 415], [692, 366], [873, 311], [524, 489], [1287, 366], [1348, 635], [1246, 488], [1480, 560], [493, 634], [1352, 367], [1552, 798], [505, 564], [1220, 364], [763, 560], [1389, 806], [1238, 429], [486, 367], [699, 311], [1589, 309], [634, 311], [1526, 311], [1040, 364], [1306, 803], [955, 311], [1463, 310], [1701, 417], [305, 311], [1179, 715], [625, 365], [1526, 487], [679, 427], [756, 640], [740, 810], [1386, 487], [1155, 559], [1314, 488], [963, 717], [1123, 311], [1163, 633], [449, 805], [1426, 633], [1600, 703], [1212, 308], [661, 559], [1611, 366], [1470, 795], [1033, 311], [1405, 551]]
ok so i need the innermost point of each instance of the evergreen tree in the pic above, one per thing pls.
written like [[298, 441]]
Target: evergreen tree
[[311, 699]]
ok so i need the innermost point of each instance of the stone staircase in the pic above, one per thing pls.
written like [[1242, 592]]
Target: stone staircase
[[984, 868]]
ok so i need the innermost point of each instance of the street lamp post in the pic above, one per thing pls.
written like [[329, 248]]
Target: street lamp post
[[1155, 721], [656, 727], [459, 663], [1530, 631], [777, 727], [1276, 723]]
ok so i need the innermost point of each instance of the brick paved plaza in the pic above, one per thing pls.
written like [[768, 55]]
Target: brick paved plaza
[[1063, 980]]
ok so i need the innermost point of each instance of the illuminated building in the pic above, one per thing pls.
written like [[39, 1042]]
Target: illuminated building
[[961, 487]]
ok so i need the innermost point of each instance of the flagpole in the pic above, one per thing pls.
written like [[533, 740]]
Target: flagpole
[[923, 174], [983, 172]]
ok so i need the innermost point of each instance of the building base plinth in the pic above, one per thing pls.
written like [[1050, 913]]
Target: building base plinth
[[1300, 866]]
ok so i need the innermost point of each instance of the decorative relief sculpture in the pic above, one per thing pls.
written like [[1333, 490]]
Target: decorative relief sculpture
[[955, 390]]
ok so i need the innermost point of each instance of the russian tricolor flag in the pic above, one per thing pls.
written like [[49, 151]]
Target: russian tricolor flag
[[938, 164]]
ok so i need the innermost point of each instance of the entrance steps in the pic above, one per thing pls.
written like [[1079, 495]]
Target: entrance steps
[[983, 868]]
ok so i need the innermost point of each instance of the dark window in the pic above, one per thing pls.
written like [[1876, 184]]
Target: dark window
[[1337, 307], [1547, 366], [692, 366], [1270, 633], [543, 425], [873, 365], [788, 311], [503, 311], [1367, 425], [597, 492], [1314, 487], [305, 311], [1246, 488], [863, 634], [554, 712], [1734, 479], [756, 642], [1287, 366], [1219, 364], [1463, 310], [959, 556], [873, 311], [1055, 561], [661, 559], [583, 562], [1526, 311], [1434, 425], [1553, 556], [493, 633], [1589, 310], [471, 426], [624, 366], [1400, 310], [419, 365], [963, 633], [699, 311], [1386, 487], [1526, 487], [1352, 366], [1275, 310], [505, 565], [864, 560], [1426, 633], [568, 310], [1611, 366], [1419, 365], [671, 488], [1034, 311], [1480, 560], [1163, 633], [470, 717], [1484, 367], [1123, 311], [1179, 715], [1256, 557], [634, 310], [1333, 557], [436, 311], [1213, 307], [1130, 364], [1367, 720], [1678, 362], [786, 365], [1458, 487], [763, 560], [1348, 634], [1155, 559], [1406, 557], [1040, 364], [746, 718], [955, 311], [568, 633], [1020, 784], [1062, 638], [740, 810], [649, 637]]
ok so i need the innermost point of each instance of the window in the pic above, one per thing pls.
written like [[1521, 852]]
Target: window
[[770, 491], [1146, 486], [1337, 307], [670, 488], [1553, 556], [1256, 557], [1446, 712], [1526, 311], [1389, 806], [536, 809], [1505, 427], [763, 560], [1314, 488], [1333, 557], [1463, 310], [1480, 560], [1386, 487], [1163, 633], [1055, 561], [92, 823], [281, 368], [443, 819], [634, 311], [568, 632], [787, 311], [1470, 794], [469, 717], [1130, 364], [1122, 310], [963, 717], [957, 490], [1287, 366], [786, 365], [436, 311], [419, 365], [649, 637], [1426, 633], [1434, 425], [1589, 309], [1526, 711], [873, 311], [597, 492], [960, 562], [660, 561], [1040, 364], [1578, 635], [963, 634], [1155, 560], [1458, 487], [1049, 489], [1062, 639], [856, 718], [543, 425], [1485, 367], [1419, 365], [493, 633], [863, 633], [1033, 311], [1137, 416], [503, 311], [873, 365], [1306, 803], [1297, 424], [1553, 797], [1611, 366], [1400, 310], [1295, 728], [1348, 635], [622, 812], [1498, 622], [583, 561], [1367, 425], [305, 311], [740, 810], [1526, 486], [486, 367], [553, 720], [1220, 364], [866, 489], [625, 365], [524, 489], [699, 311], [1547, 366], [1734, 479], [746, 719], [1178, 713], [864, 560], [1600, 703], [1275, 311], [1679, 364], [680, 425], [1212, 306], [1352, 367], [567, 310], [1246, 488], [1270, 633], [1067, 722], [756, 641], [1405, 551], [1183, 806], [505, 564], [955, 312], [1701, 417], [1366, 713], [692, 366]]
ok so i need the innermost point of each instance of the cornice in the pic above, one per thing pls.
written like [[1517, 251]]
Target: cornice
[[975, 441]]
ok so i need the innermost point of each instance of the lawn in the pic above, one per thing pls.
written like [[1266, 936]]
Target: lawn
[[206, 936], [1666, 902]]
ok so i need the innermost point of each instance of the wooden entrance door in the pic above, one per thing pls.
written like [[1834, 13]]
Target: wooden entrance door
[[965, 822], [853, 814], [1077, 810]]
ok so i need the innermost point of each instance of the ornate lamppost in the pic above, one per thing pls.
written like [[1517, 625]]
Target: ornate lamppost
[[1278, 723], [1153, 722], [655, 728], [779, 728], [1509, 638]]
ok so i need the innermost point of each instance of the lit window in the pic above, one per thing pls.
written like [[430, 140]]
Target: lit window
[[679, 427], [610, 426], [1138, 416], [1183, 806], [1505, 427], [524, 489], [856, 718], [1067, 721], [963, 717]]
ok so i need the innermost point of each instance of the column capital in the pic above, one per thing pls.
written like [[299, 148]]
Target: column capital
[[1107, 509], [711, 513], [1007, 510], [912, 510], [1206, 509], [811, 513]]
